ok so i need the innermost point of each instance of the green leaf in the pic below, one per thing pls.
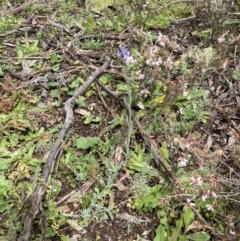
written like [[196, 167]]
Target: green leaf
[[159, 99], [6, 163], [97, 119], [5, 185], [176, 231], [4, 205], [81, 101], [56, 67], [164, 151], [198, 236], [105, 79], [89, 23], [49, 232], [1, 71], [182, 238], [88, 119], [137, 162], [85, 143], [161, 234], [122, 87], [188, 217]]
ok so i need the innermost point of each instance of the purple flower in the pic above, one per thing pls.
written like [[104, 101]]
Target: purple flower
[[123, 52]]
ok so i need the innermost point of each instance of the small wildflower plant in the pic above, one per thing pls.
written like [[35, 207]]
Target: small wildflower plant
[[153, 69]]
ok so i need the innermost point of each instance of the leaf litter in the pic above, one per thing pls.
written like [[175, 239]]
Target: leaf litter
[[108, 189]]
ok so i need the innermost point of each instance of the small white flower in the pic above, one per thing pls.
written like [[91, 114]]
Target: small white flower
[[213, 194], [196, 181], [148, 62], [209, 207], [153, 50], [182, 161], [130, 60], [205, 195], [225, 64], [232, 232], [189, 203], [175, 47], [146, 4], [168, 63], [140, 105], [185, 93], [144, 92], [162, 39], [139, 75], [221, 40]]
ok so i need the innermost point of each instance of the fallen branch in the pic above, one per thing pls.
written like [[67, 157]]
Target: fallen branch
[[34, 202]]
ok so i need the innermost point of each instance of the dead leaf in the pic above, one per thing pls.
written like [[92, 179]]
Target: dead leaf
[[126, 175], [22, 171], [201, 153], [218, 90], [27, 70], [118, 155], [231, 141], [76, 237], [232, 132], [121, 186], [64, 209], [82, 192], [205, 155], [208, 143], [74, 224], [131, 218], [82, 112], [146, 232], [111, 203]]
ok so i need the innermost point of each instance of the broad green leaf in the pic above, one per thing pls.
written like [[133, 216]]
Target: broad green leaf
[[88, 119], [97, 119], [4, 152], [198, 236], [183, 238], [161, 234], [4, 205], [6, 163], [177, 230], [159, 100], [85, 143], [81, 101], [164, 151], [5, 185], [137, 162], [188, 217], [151, 199], [163, 218]]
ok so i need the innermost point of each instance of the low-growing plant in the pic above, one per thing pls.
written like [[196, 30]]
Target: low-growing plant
[[92, 44], [9, 22]]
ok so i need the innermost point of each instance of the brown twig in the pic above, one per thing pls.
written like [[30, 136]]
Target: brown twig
[[113, 113], [16, 76]]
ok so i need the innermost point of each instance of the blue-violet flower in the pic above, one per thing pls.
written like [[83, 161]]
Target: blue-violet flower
[[123, 52]]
